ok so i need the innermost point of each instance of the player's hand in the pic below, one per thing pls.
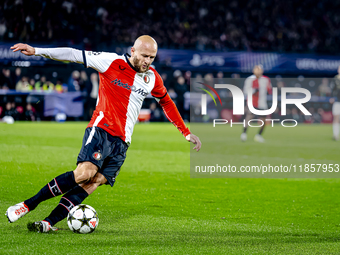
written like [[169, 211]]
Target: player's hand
[[24, 48], [332, 100], [195, 140]]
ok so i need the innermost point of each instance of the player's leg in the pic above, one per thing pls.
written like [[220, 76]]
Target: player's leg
[[258, 137], [59, 185], [75, 197], [112, 156], [63, 183], [92, 142], [248, 117], [55, 187], [72, 198]]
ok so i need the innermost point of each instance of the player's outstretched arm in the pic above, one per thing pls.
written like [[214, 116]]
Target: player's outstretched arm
[[24, 48], [59, 54], [195, 140], [99, 62]]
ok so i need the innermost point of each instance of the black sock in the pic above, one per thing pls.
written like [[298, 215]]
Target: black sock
[[56, 187], [261, 130], [67, 202], [245, 130]]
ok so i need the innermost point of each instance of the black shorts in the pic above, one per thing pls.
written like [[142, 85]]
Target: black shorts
[[104, 150]]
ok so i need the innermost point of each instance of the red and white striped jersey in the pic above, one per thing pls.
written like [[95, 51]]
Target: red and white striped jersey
[[260, 88], [122, 91]]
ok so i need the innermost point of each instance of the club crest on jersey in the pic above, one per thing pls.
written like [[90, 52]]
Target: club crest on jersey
[[146, 79], [97, 155]]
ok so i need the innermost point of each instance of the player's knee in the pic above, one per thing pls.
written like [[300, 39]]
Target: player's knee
[[98, 179], [94, 183], [90, 186], [84, 176], [84, 172]]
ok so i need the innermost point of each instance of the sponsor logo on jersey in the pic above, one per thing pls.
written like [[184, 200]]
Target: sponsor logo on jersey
[[139, 91], [97, 155], [129, 87]]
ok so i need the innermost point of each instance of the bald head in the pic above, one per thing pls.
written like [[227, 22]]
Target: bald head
[[143, 53], [145, 41]]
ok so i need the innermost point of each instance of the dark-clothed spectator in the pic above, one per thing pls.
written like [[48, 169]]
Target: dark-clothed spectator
[[180, 89], [30, 113], [11, 110], [73, 82], [6, 81]]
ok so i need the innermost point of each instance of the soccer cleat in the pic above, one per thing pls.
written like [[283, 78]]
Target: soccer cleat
[[259, 138], [40, 227], [17, 211], [335, 138], [243, 137]]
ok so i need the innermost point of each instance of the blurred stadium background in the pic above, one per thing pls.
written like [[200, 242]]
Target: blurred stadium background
[[200, 39]]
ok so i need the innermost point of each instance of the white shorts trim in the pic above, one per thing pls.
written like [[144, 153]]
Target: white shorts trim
[[98, 119]]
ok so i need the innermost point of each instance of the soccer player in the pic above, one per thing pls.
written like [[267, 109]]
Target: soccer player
[[336, 105], [125, 81], [260, 86]]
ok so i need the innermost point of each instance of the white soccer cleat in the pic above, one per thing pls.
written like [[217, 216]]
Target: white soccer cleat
[[259, 138], [17, 211], [40, 226], [243, 137]]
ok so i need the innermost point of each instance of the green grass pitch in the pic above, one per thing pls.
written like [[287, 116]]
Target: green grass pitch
[[156, 208]]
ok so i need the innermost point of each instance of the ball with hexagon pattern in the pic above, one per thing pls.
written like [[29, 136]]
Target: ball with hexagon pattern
[[82, 219]]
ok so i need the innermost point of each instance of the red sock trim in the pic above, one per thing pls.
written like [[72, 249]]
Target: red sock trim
[[26, 207]]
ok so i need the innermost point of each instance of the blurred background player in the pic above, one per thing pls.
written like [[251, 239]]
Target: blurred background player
[[260, 86], [336, 105]]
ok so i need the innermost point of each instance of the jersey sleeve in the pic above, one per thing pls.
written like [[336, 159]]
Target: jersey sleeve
[[61, 54], [172, 114], [169, 108], [99, 61], [159, 90]]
